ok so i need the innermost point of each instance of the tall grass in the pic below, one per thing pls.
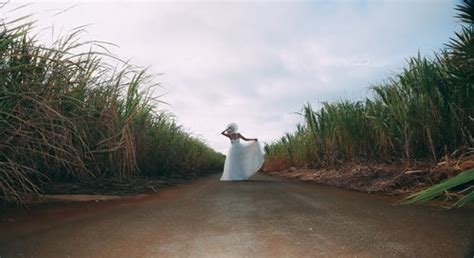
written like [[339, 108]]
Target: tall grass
[[66, 114], [423, 113]]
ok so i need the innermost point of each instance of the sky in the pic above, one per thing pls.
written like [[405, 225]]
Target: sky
[[255, 63]]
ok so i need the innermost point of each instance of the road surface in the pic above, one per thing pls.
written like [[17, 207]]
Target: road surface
[[264, 217]]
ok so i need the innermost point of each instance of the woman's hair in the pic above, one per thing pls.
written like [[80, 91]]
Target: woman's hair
[[233, 127]]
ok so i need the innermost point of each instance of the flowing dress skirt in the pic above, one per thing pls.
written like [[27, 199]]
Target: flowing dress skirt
[[242, 161]]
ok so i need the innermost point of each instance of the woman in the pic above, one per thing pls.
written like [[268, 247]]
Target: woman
[[242, 161]]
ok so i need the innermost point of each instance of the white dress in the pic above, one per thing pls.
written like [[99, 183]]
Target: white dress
[[242, 161]]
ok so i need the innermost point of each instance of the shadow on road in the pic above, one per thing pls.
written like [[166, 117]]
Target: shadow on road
[[250, 181], [261, 181], [470, 253]]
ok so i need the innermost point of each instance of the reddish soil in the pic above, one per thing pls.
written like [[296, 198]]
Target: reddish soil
[[391, 179]]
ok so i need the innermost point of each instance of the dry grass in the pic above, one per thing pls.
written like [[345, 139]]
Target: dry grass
[[425, 113], [68, 116]]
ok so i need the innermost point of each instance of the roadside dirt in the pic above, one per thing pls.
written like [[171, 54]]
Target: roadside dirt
[[97, 190], [390, 179]]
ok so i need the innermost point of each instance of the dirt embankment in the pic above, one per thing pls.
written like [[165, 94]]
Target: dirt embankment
[[100, 189], [391, 179]]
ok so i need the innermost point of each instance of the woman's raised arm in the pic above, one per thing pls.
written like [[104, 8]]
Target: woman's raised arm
[[247, 139], [225, 133]]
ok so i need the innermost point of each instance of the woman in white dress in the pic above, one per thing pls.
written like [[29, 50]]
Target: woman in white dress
[[243, 160]]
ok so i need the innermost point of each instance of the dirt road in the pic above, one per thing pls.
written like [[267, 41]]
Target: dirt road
[[264, 217]]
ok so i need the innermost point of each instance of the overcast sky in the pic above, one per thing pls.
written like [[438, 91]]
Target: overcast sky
[[257, 63]]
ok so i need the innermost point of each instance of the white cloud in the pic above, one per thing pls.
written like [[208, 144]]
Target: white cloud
[[256, 63]]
